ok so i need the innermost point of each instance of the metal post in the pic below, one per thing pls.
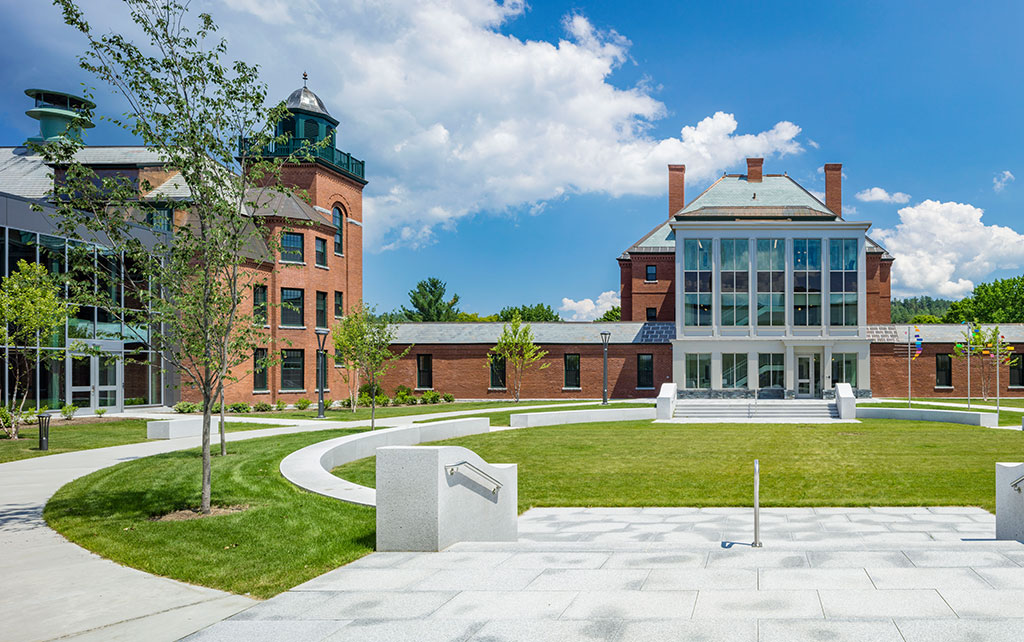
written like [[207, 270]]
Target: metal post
[[998, 337], [757, 505], [970, 331], [605, 336], [909, 396], [44, 431], [320, 374]]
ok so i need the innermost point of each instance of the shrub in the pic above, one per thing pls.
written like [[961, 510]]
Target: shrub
[[5, 417], [346, 403], [134, 401], [328, 403], [402, 398], [241, 406], [448, 397], [68, 411], [302, 403], [280, 405], [369, 389], [431, 397], [215, 408], [403, 390], [364, 399], [100, 412], [263, 406], [186, 406], [382, 400]]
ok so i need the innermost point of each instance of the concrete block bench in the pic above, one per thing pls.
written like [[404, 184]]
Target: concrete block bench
[[987, 419], [1010, 501], [531, 419], [175, 428]]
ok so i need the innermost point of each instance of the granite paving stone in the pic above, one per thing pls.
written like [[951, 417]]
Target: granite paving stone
[[661, 579], [883, 603], [959, 558], [631, 605], [961, 630], [986, 603], [926, 578], [813, 578], [549, 631], [1002, 578], [807, 630], [497, 605], [605, 579], [406, 631], [757, 604]]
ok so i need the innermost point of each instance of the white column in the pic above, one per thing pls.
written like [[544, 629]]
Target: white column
[[789, 286], [826, 308], [716, 289], [716, 370], [826, 367], [862, 307], [790, 369], [752, 285], [752, 379]]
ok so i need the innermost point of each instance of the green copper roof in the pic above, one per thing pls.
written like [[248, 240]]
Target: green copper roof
[[733, 196]]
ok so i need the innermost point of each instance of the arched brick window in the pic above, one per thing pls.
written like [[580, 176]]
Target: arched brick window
[[338, 217]]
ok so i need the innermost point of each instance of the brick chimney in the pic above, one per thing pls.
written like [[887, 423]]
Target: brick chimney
[[834, 187], [676, 188], [754, 166]]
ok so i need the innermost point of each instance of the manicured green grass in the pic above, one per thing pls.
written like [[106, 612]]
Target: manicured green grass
[[991, 401], [67, 436], [1007, 416], [502, 418], [286, 537], [874, 463], [346, 414]]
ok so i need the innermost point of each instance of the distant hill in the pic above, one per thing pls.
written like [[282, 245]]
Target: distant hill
[[903, 310]]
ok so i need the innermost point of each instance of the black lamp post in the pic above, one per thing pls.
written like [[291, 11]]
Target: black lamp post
[[44, 430], [605, 337], [321, 339]]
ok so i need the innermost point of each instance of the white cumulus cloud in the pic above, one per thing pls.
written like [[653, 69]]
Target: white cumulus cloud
[[588, 309], [944, 249], [457, 116], [1000, 180], [880, 195]]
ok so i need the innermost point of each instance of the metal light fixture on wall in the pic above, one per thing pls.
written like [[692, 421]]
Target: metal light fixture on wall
[[321, 369], [605, 337]]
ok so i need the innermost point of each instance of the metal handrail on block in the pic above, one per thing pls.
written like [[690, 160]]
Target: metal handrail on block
[[1015, 484], [451, 469]]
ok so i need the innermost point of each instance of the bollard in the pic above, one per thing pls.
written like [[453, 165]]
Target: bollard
[[44, 431], [757, 505]]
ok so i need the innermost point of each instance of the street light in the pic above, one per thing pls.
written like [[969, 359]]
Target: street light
[[605, 336], [321, 367]]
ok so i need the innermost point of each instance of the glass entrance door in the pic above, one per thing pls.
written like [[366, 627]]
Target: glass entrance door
[[95, 382], [804, 376]]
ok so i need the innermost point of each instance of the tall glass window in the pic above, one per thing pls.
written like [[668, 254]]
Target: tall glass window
[[842, 298], [497, 372], [321, 309], [424, 371], [645, 371], [339, 305], [572, 371], [844, 368], [771, 370], [734, 370], [259, 370], [20, 246], [259, 304], [291, 247], [292, 303], [293, 373], [338, 218], [697, 282], [806, 282], [944, 371], [320, 246], [735, 282], [771, 282], [1016, 373], [651, 273], [698, 371]]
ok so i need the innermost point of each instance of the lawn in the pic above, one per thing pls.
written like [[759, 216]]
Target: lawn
[[502, 418], [346, 414], [286, 537], [1007, 416], [874, 463], [67, 436]]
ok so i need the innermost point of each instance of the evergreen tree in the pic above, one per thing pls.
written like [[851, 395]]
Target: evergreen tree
[[428, 302], [614, 314]]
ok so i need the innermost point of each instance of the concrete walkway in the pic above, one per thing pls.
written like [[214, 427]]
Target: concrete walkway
[[52, 588], [672, 574]]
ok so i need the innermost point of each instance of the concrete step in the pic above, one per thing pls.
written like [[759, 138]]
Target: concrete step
[[773, 409]]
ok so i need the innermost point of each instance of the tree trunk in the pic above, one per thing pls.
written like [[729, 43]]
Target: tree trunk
[[373, 402], [204, 506], [223, 443]]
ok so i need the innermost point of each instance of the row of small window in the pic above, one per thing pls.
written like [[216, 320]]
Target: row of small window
[[293, 249], [293, 371], [770, 266], [570, 372], [771, 370], [944, 372], [293, 303]]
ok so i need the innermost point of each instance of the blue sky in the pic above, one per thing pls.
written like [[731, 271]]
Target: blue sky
[[514, 151]]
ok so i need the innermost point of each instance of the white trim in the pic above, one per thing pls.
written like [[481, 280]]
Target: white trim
[[353, 221]]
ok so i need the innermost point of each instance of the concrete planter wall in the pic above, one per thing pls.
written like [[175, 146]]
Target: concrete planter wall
[[1009, 502], [986, 419], [531, 419]]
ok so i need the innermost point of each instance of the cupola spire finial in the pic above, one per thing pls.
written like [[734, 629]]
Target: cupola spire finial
[[305, 77]]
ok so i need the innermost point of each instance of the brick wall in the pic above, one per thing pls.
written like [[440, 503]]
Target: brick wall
[[642, 294], [462, 371], [877, 290], [889, 374]]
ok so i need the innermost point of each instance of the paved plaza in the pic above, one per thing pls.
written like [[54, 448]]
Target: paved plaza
[[668, 574]]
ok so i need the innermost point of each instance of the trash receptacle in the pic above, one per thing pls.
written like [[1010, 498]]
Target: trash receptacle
[[44, 431]]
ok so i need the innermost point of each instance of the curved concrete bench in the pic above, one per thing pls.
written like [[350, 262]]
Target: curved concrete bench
[[531, 419], [987, 419], [310, 467]]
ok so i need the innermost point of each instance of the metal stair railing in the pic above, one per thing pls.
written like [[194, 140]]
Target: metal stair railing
[[451, 469]]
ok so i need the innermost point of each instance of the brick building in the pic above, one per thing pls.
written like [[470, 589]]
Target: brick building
[[317, 271]]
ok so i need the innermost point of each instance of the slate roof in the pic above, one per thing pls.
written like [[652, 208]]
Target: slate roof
[[173, 189], [938, 333], [287, 205], [548, 333], [733, 196], [23, 173]]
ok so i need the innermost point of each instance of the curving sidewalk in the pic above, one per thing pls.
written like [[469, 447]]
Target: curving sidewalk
[[55, 589]]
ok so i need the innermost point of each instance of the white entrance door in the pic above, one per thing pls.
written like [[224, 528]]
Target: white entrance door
[[95, 382], [805, 376]]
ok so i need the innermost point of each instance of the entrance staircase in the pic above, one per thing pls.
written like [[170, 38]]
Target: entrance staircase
[[762, 410]]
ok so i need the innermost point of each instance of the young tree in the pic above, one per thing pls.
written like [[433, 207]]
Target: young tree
[[347, 336], [538, 313], [516, 347], [31, 305], [364, 340], [428, 304], [981, 349], [190, 108]]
